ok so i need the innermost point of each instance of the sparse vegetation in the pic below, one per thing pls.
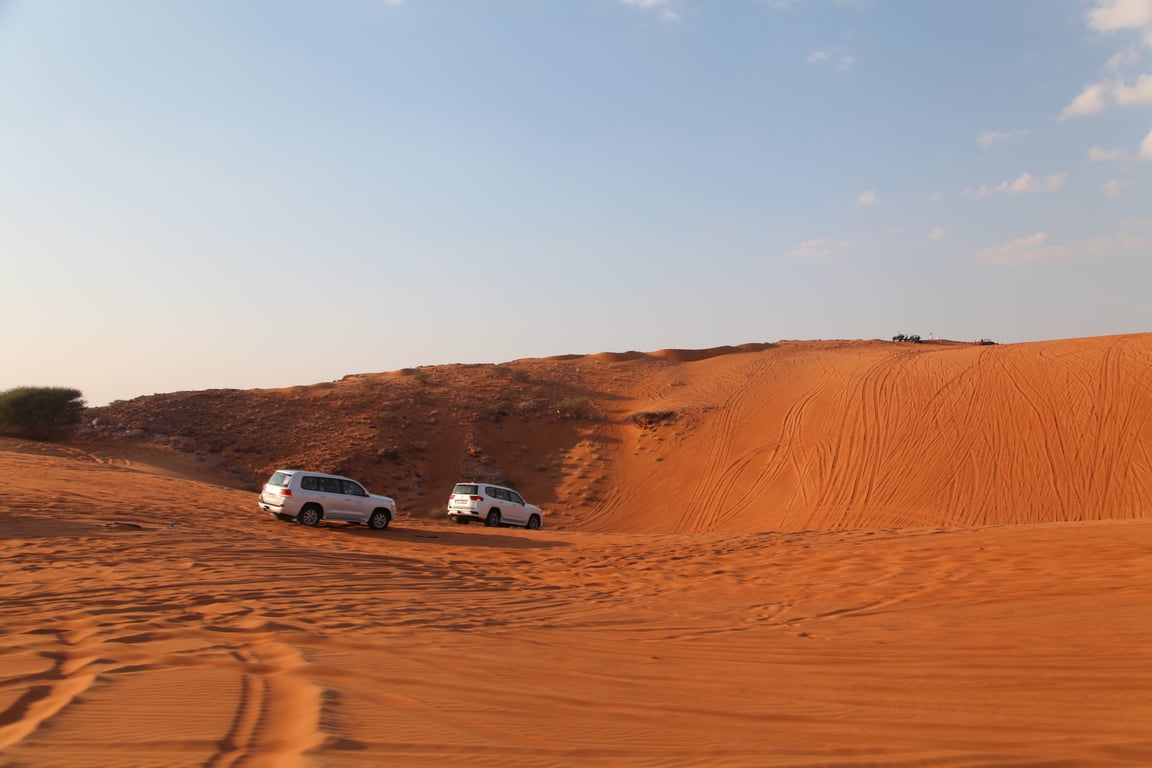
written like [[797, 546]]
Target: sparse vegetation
[[572, 408], [40, 413], [653, 419]]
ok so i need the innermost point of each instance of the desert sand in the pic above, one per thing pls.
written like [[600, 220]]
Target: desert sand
[[838, 553]]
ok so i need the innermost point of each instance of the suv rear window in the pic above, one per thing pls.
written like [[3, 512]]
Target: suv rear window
[[466, 490], [280, 479]]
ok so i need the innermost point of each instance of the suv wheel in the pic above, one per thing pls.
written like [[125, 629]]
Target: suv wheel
[[534, 523], [493, 519], [309, 516], [379, 520]]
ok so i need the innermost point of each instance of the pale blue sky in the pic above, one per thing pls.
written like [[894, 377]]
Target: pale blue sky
[[274, 192]]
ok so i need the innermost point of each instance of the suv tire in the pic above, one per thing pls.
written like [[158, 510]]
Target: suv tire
[[309, 516], [493, 519]]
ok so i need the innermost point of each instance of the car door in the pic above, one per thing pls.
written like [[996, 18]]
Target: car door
[[336, 502], [518, 512], [313, 489], [356, 501]]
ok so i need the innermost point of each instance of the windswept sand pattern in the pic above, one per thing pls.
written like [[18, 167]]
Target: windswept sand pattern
[[886, 435], [838, 554], [235, 640]]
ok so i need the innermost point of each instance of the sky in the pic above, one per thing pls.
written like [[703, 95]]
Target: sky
[[220, 194]]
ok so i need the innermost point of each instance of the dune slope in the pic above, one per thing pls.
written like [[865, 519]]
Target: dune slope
[[878, 435], [762, 437]]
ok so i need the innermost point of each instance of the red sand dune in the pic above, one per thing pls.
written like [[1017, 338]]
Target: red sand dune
[[807, 553]]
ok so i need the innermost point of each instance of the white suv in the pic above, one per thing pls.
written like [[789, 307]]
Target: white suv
[[494, 505], [310, 497]]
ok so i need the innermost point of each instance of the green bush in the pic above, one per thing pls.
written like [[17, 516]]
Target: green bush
[[39, 413]]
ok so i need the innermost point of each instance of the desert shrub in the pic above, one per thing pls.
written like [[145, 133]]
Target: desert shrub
[[495, 411], [572, 408], [40, 413]]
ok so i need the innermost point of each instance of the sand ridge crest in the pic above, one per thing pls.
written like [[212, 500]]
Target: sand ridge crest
[[828, 435], [837, 553]]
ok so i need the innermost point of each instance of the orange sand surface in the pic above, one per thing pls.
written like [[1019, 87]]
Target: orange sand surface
[[832, 554]]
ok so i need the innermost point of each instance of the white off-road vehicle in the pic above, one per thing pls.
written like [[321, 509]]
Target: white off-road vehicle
[[309, 497], [493, 504]]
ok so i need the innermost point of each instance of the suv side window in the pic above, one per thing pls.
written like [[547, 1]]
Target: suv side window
[[331, 485], [496, 493], [309, 483], [515, 497], [353, 489]]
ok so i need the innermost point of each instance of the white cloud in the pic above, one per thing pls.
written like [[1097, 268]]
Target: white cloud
[[1115, 189], [1140, 93], [1025, 249], [1102, 155], [988, 138], [1146, 147], [784, 5], [1113, 15], [867, 197], [820, 249], [937, 233], [1126, 58], [838, 55], [936, 197], [1093, 99], [667, 12], [1025, 183], [1036, 248]]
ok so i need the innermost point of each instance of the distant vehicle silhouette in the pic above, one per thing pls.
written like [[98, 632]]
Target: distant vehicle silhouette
[[912, 337]]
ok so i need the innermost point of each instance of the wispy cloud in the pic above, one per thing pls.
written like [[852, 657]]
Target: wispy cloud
[[1146, 147], [1032, 248], [1131, 95], [937, 233], [867, 197], [988, 138], [1115, 189], [783, 5], [837, 56], [663, 7], [1112, 87], [1110, 155], [1114, 15], [1036, 249], [821, 249], [1025, 183], [1094, 98]]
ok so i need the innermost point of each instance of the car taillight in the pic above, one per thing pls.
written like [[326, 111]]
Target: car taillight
[[476, 498], [285, 492]]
